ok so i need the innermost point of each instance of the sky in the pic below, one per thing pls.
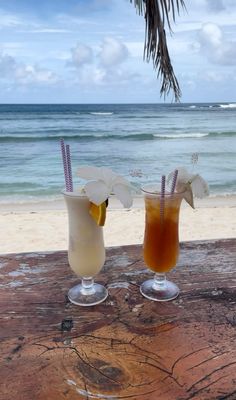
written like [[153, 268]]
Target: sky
[[91, 51]]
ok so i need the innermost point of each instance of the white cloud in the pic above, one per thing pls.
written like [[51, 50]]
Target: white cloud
[[210, 36], [215, 45], [24, 74], [91, 75], [200, 12], [33, 74], [9, 20], [113, 52], [41, 39], [80, 55], [7, 66], [47, 30], [102, 70], [95, 76]]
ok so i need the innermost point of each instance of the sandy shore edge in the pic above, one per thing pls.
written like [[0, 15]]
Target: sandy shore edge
[[59, 204], [43, 226]]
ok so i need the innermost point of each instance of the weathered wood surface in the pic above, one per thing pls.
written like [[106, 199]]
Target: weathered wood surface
[[127, 347]]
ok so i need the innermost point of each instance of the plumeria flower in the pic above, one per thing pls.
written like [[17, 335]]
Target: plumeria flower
[[193, 185], [103, 182]]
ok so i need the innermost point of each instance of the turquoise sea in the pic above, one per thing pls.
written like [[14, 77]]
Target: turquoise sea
[[151, 138]]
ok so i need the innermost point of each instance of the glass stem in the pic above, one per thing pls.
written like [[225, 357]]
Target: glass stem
[[87, 286], [159, 281]]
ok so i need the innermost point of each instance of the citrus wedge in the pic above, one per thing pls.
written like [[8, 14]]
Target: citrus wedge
[[98, 212]]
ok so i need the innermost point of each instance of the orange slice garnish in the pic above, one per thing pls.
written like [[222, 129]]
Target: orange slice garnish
[[98, 213]]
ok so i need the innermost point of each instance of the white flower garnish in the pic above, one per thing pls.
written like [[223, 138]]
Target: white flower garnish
[[192, 184], [199, 186], [103, 182]]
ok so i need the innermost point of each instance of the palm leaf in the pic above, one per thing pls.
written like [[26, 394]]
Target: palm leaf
[[157, 15]]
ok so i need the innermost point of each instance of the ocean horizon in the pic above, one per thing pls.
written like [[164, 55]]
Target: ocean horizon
[[150, 139]]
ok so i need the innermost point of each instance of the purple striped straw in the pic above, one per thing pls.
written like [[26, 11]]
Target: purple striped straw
[[162, 201], [69, 168], [174, 181], [64, 160]]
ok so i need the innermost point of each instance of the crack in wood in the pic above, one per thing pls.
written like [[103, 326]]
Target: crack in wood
[[210, 374], [161, 368], [174, 379], [228, 396], [49, 348], [205, 387], [186, 356], [152, 365], [206, 360]]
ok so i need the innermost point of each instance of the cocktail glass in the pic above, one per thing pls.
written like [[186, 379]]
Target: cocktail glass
[[86, 252], [161, 242]]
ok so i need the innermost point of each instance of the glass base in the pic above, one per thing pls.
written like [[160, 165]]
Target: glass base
[[164, 292], [91, 296]]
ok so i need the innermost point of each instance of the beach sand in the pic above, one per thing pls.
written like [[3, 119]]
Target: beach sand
[[43, 226]]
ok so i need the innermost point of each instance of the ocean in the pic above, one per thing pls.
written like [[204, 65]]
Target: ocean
[[150, 139]]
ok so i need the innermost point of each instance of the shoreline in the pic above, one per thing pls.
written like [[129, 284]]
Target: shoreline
[[227, 200], [43, 226]]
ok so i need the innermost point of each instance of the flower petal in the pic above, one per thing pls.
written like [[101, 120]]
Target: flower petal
[[200, 187], [107, 175], [89, 172], [188, 194], [97, 192], [104, 182], [183, 176], [120, 180], [123, 193]]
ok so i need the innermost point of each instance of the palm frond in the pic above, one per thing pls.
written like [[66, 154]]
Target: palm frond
[[157, 15]]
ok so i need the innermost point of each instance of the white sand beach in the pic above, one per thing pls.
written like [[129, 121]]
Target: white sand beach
[[43, 226]]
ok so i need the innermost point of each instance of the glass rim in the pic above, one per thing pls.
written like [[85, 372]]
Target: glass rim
[[74, 194], [157, 192]]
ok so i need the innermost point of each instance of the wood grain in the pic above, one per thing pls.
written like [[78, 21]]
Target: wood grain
[[127, 347]]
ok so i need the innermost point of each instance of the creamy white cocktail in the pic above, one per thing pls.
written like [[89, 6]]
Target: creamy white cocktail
[[86, 252], [86, 216]]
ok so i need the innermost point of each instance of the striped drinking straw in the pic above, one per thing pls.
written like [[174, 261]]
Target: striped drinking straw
[[69, 168], [162, 202], [64, 160], [174, 181]]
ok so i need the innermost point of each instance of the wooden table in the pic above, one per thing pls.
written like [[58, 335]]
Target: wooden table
[[127, 347]]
